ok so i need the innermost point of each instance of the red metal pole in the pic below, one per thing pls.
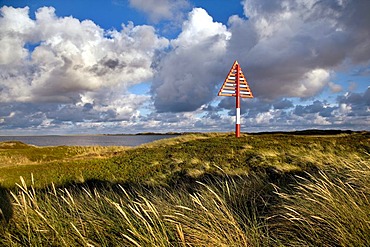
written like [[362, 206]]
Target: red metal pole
[[237, 96]]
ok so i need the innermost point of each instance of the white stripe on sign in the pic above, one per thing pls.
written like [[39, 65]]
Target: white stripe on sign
[[237, 115]]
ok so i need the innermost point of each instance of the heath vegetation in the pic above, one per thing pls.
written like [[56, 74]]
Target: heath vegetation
[[282, 189]]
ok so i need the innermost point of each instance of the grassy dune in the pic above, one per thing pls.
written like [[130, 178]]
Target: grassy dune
[[192, 190]]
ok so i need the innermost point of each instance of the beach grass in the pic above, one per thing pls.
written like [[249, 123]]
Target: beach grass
[[196, 190]]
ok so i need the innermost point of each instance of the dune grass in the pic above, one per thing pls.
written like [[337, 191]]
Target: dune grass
[[188, 156], [205, 190], [15, 153], [331, 208], [137, 216]]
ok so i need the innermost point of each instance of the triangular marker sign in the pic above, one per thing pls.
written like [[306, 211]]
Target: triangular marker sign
[[236, 85], [229, 86]]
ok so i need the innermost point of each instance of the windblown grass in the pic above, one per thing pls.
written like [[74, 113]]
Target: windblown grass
[[212, 190], [331, 208], [138, 216]]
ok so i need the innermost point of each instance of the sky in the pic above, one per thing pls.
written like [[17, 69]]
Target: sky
[[130, 66]]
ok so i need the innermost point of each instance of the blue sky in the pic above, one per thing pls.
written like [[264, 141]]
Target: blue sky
[[128, 66]]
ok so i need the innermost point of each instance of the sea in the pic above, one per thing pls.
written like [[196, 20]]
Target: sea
[[86, 140]]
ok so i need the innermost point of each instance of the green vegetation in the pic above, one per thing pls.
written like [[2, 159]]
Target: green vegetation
[[60, 165], [193, 190]]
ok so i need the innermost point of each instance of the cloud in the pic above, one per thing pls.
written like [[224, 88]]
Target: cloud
[[283, 104], [321, 108], [74, 72], [335, 88], [187, 75], [350, 111], [72, 56], [70, 75], [290, 48], [286, 49], [15, 28], [20, 115], [50, 118], [158, 10], [358, 104]]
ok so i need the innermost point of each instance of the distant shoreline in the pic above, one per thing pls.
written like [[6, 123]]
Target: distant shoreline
[[292, 132], [147, 134]]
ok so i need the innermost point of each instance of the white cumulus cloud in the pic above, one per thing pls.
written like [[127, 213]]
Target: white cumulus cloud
[[70, 56], [187, 75]]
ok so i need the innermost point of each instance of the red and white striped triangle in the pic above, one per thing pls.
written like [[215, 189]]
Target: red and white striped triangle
[[229, 86]]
